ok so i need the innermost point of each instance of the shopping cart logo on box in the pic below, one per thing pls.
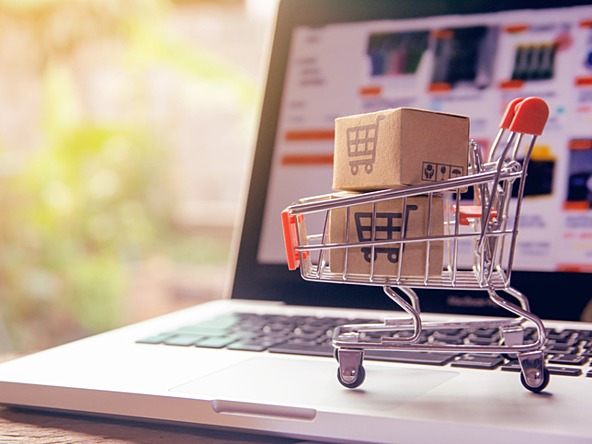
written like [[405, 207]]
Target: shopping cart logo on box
[[382, 226], [361, 146]]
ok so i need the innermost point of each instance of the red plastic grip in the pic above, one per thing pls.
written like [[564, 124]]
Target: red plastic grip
[[530, 117], [290, 239], [467, 212], [509, 113]]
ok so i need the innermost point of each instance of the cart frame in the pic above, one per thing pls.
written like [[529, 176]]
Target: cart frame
[[490, 224]]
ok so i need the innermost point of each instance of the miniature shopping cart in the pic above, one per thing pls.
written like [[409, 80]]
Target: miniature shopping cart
[[361, 146], [382, 249]]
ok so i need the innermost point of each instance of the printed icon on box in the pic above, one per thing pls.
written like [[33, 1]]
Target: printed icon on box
[[429, 171], [456, 171], [443, 172], [361, 146], [436, 172], [386, 226]]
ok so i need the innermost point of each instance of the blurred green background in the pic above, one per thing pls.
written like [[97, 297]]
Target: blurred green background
[[125, 136]]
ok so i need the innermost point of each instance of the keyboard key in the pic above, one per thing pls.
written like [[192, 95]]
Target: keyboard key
[[560, 337], [157, 339], [512, 366], [553, 370], [410, 357], [565, 371], [561, 348], [478, 361], [299, 348], [453, 336], [215, 342], [586, 353], [585, 335], [485, 332], [184, 340], [478, 340], [248, 346], [569, 359]]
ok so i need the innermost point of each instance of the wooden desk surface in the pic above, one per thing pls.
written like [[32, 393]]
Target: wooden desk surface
[[22, 426], [33, 427]]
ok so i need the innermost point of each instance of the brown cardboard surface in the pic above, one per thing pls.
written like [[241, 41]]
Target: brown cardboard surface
[[399, 147], [390, 222]]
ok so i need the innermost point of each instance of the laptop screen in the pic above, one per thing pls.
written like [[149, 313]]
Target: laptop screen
[[334, 58]]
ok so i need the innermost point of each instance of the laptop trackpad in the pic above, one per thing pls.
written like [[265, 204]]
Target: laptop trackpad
[[313, 384]]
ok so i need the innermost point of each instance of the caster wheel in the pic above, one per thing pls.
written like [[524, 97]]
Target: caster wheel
[[541, 387], [359, 379]]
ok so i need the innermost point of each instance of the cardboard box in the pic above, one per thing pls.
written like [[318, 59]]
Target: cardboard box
[[389, 219], [399, 147]]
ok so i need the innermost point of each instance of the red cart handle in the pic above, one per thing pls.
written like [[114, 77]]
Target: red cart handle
[[509, 113], [290, 239], [530, 116], [468, 212]]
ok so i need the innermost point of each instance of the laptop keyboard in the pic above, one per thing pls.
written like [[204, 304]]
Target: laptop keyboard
[[568, 352]]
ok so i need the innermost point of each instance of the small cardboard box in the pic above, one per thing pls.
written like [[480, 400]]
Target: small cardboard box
[[390, 222], [399, 147]]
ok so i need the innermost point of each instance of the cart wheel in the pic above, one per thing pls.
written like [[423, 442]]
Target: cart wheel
[[543, 384], [360, 376], [369, 168]]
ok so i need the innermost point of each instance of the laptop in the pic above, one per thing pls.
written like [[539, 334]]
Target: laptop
[[276, 373]]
